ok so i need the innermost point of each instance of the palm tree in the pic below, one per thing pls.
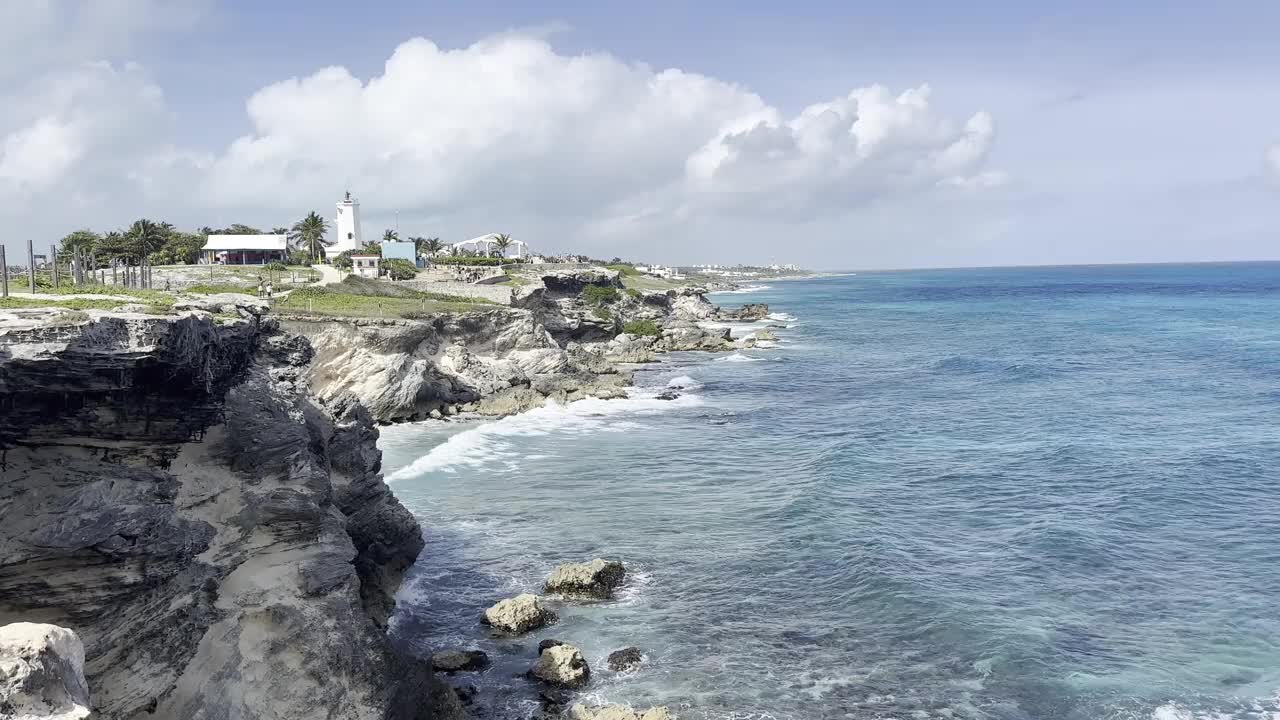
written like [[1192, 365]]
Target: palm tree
[[501, 241], [310, 230], [427, 246], [145, 237], [390, 236]]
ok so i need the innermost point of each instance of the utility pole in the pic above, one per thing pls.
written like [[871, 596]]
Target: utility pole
[[31, 265], [53, 262], [4, 270]]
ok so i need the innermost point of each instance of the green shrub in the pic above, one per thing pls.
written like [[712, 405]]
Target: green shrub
[[276, 266], [635, 293], [642, 327], [299, 257], [343, 260], [624, 268], [398, 269], [598, 296], [465, 260]]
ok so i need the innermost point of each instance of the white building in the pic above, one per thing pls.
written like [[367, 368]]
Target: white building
[[484, 245], [245, 249], [347, 226], [365, 265]]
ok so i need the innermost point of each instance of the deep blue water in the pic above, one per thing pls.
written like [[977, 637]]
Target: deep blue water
[[1008, 493]]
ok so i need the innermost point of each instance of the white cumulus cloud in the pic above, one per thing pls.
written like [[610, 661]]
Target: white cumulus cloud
[[1273, 159]]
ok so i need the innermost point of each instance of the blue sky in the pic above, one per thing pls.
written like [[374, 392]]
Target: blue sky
[[1080, 132]]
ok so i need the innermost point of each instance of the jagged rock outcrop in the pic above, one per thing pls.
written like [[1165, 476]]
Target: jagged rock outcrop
[[494, 362], [573, 282], [42, 673], [223, 544], [562, 666], [625, 659], [683, 335], [618, 712], [630, 349], [596, 579], [459, 660], [518, 615], [747, 313]]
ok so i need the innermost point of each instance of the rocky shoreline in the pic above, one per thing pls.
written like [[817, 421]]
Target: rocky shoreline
[[199, 497]]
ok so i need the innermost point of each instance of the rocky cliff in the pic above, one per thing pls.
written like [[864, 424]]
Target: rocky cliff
[[222, 542]]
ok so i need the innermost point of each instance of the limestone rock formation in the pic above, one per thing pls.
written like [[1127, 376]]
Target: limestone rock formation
[[42, 673], [618, 712], [459, 660], [519, 614], [223, 543], [596, 579], [625, 659], [562, 666], [746, 313], [684, 335], [630, 349]]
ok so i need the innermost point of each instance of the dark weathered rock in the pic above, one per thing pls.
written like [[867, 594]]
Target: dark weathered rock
[[625, 659], [747, 313], [459, 660], [548, 643], [596, 579], [171, 491]]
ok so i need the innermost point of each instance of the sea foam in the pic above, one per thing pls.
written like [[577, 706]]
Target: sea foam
[[492, 444]]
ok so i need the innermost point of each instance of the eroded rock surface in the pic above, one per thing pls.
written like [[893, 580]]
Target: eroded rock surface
[[519, 614], [618, 712], [562, 666], [42, 673], [222, 543], [596, 579]]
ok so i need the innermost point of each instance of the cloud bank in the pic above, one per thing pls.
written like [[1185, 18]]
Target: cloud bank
[[506, 131]]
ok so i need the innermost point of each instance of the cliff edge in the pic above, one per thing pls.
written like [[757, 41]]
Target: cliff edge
[[222, 543]]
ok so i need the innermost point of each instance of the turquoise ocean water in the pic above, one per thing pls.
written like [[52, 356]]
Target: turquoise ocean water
[[1008, 493]]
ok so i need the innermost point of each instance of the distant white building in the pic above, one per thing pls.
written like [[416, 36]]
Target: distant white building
[[245, 249], [347, 226], [365, 265], [484, 245]]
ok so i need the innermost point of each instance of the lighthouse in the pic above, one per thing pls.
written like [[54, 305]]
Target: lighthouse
[[347, 226]]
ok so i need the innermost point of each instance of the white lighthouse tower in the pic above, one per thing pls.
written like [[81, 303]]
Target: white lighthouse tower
[[348, 226]]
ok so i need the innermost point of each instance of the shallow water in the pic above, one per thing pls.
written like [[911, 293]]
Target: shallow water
[[1021, 493]]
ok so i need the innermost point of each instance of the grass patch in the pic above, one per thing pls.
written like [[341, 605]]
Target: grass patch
[[642, 327], [626, 270], [216, 288], [12, 303], [363, 297]]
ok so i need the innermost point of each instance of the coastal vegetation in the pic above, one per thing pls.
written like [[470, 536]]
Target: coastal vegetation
[[363, 297], [471, 260], [309, 233], [644, 328]]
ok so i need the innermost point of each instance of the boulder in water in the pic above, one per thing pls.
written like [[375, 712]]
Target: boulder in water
[[548, 643], [459, 660], [625, 659], [596, 579], [618, 712], [519, 614], [563, 666], [42, 673]]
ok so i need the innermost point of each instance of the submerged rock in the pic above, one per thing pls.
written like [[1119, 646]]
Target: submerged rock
[[625, 659], [562, 665], [618, 712], [596, 579], [459, 660], [519, 614], [42, 673]]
